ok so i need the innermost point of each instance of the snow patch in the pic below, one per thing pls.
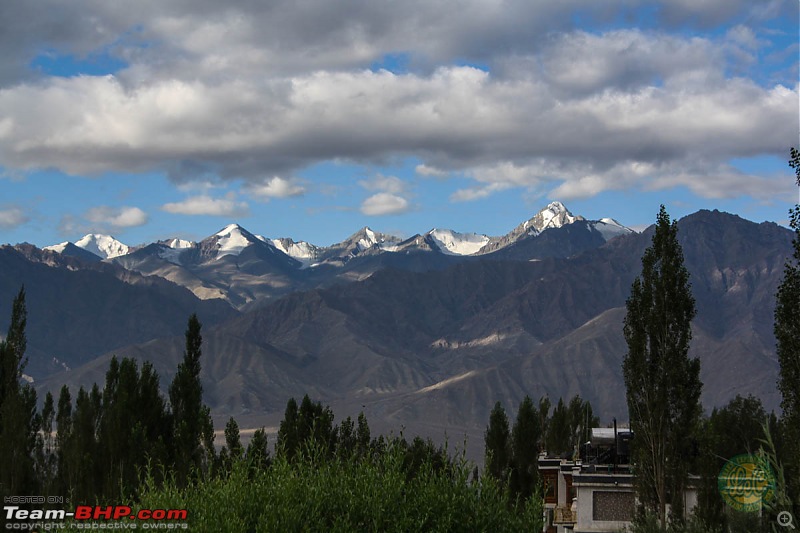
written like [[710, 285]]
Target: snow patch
[[180, 244], [301, 251], [446, 382], [59, 248], [610, 228], [454, 243], [105, 246], [232, 240]]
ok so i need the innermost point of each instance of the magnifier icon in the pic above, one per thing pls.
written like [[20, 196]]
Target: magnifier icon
[[785, 519]]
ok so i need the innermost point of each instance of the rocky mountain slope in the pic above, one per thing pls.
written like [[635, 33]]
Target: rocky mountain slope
[[247, 270], [432, 351]]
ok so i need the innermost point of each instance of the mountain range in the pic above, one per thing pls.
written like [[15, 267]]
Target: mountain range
[[424, 333]]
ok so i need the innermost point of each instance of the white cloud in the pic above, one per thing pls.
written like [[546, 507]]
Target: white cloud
[[242, 91], [118, 217], [476, 193], [275, 187], [11, 217], [384, 203], [429, 171], [206, 205], [390, 184]]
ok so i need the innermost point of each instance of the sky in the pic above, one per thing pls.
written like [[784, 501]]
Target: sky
[[311, 119]]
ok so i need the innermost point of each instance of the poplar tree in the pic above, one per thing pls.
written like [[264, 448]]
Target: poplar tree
[[19, 420], [787, 334], [662, 381], [498, 444], [525, 439], [191, 419]]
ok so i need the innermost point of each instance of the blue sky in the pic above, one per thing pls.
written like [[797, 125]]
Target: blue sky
[[311, 120]]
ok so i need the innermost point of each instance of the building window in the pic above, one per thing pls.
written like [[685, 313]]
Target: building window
[[612, 506]]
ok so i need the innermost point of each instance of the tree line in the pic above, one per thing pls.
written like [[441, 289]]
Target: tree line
[[102, 445], [95, 446]]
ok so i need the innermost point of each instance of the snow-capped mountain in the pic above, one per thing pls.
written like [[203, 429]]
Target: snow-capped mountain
[[363, 241], [103, 246], [554, 216], [244, 267], [610, 228], [304, 252], [232, 239], [69, 249], [453, 243]]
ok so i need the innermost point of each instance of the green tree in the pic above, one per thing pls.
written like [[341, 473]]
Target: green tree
[[19, 420], [544, 419], [63, 437], [498, 444], [363, 438], [787, 334], [232, 440], [662, 381], [288, 432], [258, 451], [525, 438], [731, 430], [559, 430], [582, 420], [80, 462], [133, 426], [310, 423], [191, 419], [45, 457]]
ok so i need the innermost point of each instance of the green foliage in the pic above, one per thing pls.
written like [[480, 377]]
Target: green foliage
[[133, 426], [192, 430], [559, 434], [309, 423], [258, 451], [19, 420], [787, 334], [649, 522], [525, 438], [663, 383], [729, 431], [498, 444], [316, 493]]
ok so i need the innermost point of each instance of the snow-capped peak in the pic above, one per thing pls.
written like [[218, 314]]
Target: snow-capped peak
[[610, 228], [302, 251], [453, 243], [105, 246], [232, 239], [554, 215], [59, 248], [179, 244]]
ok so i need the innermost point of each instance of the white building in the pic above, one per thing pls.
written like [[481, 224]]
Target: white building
[[595, 494]]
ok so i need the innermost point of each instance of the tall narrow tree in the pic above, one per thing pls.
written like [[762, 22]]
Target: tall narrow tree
[[525, 439], [787, 333], [19, 421], [498, 443], [190, 417], [662, 381]]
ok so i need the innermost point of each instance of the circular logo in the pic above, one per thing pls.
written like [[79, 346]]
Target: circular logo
[[746, 482]]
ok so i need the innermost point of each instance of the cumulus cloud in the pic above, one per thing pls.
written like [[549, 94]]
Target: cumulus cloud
[[245, 90], [207, 205], [275, 187], [429, 171], [118, 217], [392, 198], [12, 217], [384, 203], [390, 184]]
